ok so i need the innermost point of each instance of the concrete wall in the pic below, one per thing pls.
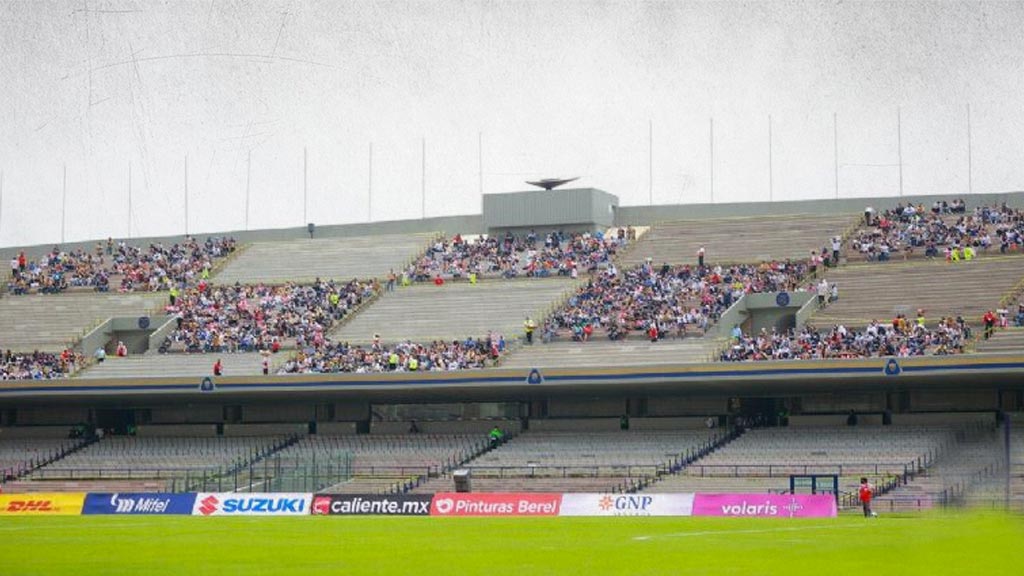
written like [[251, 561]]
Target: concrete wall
[[549, 208]]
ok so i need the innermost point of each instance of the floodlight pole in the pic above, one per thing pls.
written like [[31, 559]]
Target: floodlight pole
[[129, 199], [771, 176], [305, 187], [423, 180], [835, 149], [970, 160], [711, 133], [63, 203], [248, 182], [650, 162], [369, 191], [1, 199], [899, 145], [186, 194]]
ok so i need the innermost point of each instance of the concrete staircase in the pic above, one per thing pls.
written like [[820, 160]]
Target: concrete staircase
[[153, 364], [423, 313], [52, 322], [329, 258], [738, 240], [603, 352], [1010, 340], [878, 291]]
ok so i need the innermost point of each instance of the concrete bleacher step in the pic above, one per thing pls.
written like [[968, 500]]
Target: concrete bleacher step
[[1008, 340], [328, 258], [878, 291], [738, 240], [51, 322], [184, 365], [603, 352], [422, 313]]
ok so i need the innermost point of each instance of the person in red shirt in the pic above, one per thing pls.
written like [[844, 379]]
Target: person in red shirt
[[218, 368], [866, 493], [989, 320]]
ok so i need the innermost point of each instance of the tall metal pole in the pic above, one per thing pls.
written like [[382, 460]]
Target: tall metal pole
[[186, 194], [63, 203], [1, 199], [650, 162], [712, 135], [369, 193], [480, 160], [1007, 454], [305, 187], [899, 145], [129, 198], [970, 159], [835, 149], [771, 176], [423, 180], [248, 183]]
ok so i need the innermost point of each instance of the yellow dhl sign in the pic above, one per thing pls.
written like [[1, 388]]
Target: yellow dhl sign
[[41, 504]]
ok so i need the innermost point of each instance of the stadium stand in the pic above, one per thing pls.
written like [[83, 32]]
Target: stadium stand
[[738, 240], [635, 352], [510, 256], [20, 455], [187, 365], [306, 260], [451, 312], [572, 461], [378, 463], [402, 357], [51, 323], [967, 289]]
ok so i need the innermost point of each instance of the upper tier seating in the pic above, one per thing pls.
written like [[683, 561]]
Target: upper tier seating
[[338, 258], [52, 322], [454, 311], [602, 352], [153, 364], [737, 240], [968, 289]]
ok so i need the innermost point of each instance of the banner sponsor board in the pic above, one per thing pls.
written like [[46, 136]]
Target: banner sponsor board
[[255, 504], [42, 504], [371, 504], [138, 503], [626, 505], [494, 504], [765, 505]]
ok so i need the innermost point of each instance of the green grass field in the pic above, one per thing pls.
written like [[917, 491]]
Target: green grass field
[[986, 544]]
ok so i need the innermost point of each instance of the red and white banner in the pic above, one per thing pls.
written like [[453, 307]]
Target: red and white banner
[[495, 504], [626, 505], [766, 505]]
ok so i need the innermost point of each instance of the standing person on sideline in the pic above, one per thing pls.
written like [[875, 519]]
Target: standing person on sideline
[[866, 492]]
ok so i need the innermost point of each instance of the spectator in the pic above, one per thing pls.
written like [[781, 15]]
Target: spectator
[[218, 368]]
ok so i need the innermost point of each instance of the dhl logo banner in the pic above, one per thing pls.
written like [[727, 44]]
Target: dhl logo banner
[[41, 504]]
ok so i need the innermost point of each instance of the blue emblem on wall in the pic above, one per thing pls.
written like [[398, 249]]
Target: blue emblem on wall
[[206, 385], [534, 377], [782, 299], [892, 368], [143, 322]]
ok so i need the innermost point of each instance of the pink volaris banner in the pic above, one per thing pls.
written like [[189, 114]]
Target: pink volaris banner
[[765, 505]]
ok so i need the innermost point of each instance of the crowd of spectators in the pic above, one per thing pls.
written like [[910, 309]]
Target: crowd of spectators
[[900, 338], [118, 266], [948, 230], [401, 357], [246, 318], [660, 301], [39, 365], [510, 256]]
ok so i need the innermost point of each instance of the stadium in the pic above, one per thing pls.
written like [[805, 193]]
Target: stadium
[[570, 377]]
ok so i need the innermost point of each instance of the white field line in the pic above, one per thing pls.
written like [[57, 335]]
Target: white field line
[[749, 531]]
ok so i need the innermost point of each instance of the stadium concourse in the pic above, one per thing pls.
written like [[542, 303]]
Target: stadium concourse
[[934, 279]]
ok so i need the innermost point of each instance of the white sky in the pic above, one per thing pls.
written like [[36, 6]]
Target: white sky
[[556, 89]]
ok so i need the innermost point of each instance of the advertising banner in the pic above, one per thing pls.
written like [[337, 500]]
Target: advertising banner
[[42, 504], [495, 504], [138, 503], [371, 504], [766, 505], [256, 504], [626, 505]]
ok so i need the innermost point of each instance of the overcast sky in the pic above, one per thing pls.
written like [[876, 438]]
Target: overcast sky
[[554, 88]]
